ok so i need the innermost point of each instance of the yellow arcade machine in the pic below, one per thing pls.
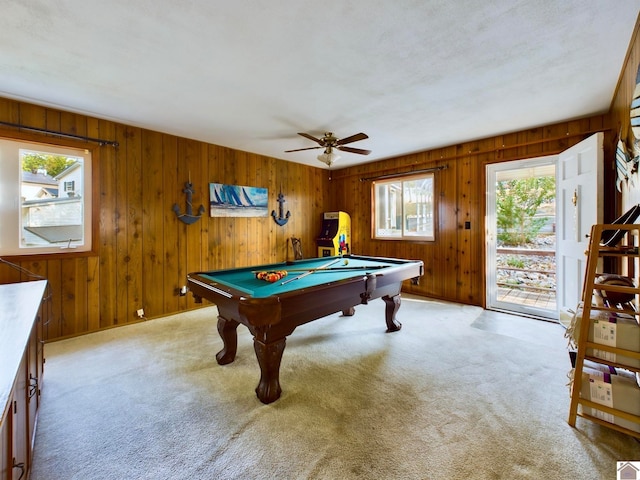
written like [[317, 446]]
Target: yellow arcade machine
[[335, 238]]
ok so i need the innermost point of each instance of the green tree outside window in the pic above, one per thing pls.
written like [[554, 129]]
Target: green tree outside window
[[53, 164], [517, 203]]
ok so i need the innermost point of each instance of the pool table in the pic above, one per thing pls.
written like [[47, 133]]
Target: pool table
[[272, 311]]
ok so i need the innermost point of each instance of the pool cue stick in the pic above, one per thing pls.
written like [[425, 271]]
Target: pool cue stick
[[309, 272], [333, 269]]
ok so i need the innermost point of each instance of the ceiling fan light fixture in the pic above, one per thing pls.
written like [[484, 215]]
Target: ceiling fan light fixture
[[328, 158]]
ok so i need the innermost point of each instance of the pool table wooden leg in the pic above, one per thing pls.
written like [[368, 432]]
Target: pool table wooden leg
[[228, 330], [269, 357], [392, 306]]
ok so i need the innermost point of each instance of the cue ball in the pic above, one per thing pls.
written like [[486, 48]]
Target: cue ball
[[346, 262]]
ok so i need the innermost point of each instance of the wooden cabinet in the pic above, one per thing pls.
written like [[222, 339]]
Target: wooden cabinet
[[5, 442], [606, 330], [23, 310]]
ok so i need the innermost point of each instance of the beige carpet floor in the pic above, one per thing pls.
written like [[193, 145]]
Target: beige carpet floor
[[451, 395]]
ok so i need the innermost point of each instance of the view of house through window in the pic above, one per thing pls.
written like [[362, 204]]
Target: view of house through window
[[48, 201], [404, 208]]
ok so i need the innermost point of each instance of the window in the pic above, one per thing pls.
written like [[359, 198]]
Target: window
[[69, 186], [45, 206], [403, 208]]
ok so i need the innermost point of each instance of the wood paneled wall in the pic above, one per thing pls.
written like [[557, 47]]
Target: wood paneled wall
[[620, 109], [620, 106], [144, 252], [454, 262]]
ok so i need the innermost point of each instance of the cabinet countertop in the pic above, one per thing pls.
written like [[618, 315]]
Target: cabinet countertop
[[19, 304]]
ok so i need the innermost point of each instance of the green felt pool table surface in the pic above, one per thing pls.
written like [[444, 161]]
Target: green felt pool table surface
[[341, 268]]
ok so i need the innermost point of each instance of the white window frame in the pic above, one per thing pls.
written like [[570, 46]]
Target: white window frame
[[11, 201], [395, 217]]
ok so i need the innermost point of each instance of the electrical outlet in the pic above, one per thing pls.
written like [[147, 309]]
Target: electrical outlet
[[183, 291], [140, 313]]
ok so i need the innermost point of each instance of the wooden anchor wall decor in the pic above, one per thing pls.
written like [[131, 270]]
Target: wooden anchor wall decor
[[188, 217], [280, 220]]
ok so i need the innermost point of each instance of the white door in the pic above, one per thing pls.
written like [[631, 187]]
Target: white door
[[579, 206], [498, 295]]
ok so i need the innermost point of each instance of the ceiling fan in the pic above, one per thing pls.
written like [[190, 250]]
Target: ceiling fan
[[329, 142]]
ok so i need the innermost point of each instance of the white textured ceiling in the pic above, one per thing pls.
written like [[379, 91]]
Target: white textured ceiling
[[413, 75]]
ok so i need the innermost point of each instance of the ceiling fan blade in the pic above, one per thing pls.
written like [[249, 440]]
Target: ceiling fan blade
[[310, 137], [354, 150], [300, 149], [352, 138]]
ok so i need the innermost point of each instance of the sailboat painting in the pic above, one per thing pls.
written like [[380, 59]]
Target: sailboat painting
[[237, 201]]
